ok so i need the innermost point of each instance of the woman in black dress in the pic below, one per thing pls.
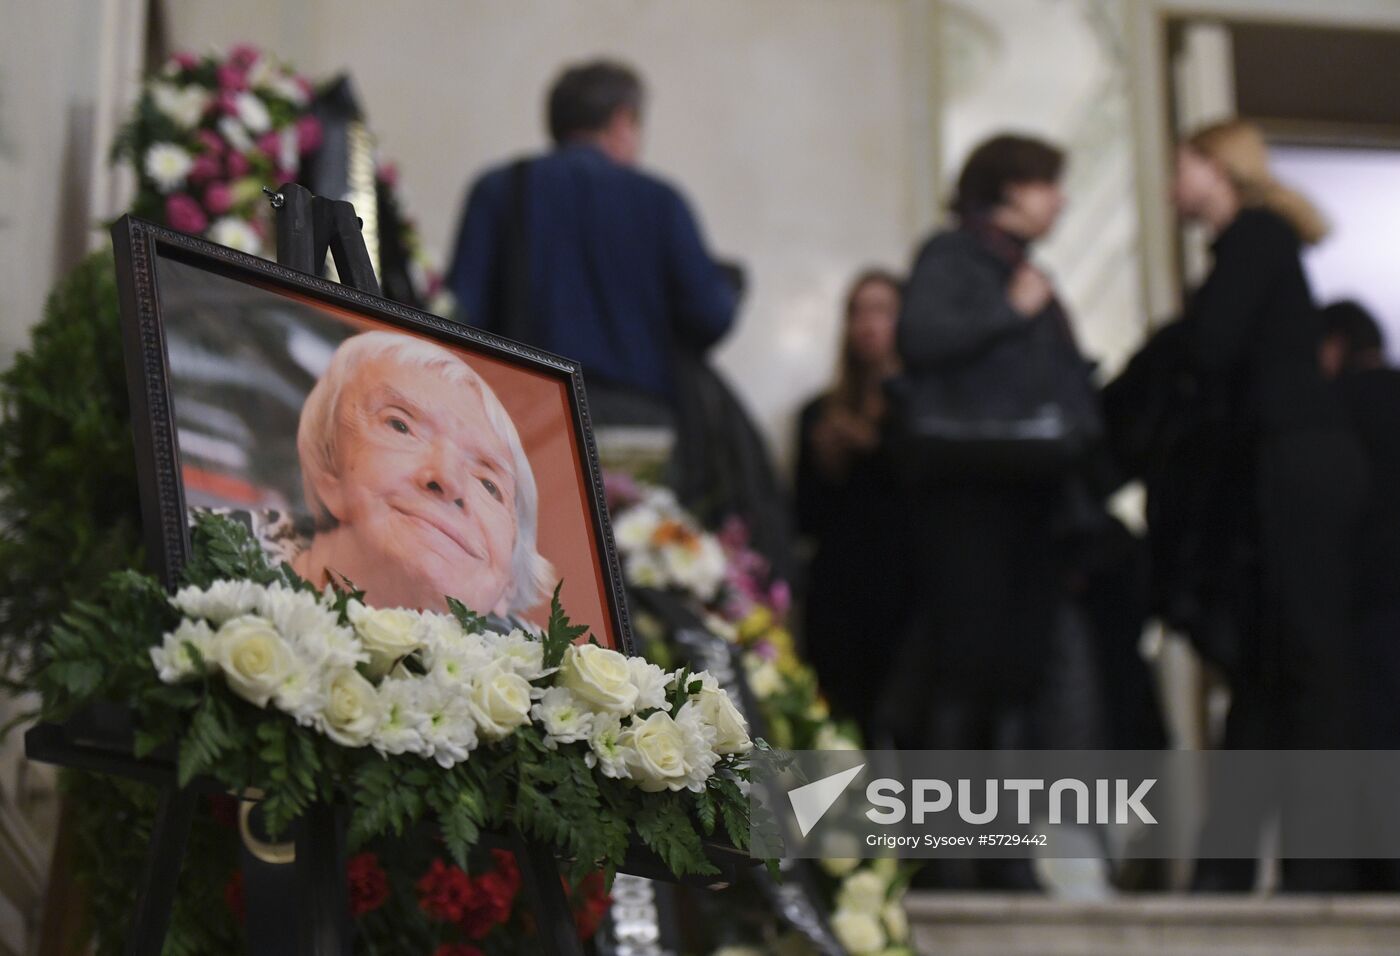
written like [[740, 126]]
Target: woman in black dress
[[849, 507], [1254, 334]]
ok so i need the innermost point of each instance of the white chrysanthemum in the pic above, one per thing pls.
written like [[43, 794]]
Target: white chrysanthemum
[[521, 653], [860, 933], [261, 72], [235, 133], [605, 750], [184, 105], [633, 529], [700, 753], [863, 892], [651, 683], [168, 165], [302, 694], [449, 726], [172, 657], [288, 148], [401, 719], [698, 565], [644, 569], [840, 865], [294, 612], [236, 234], [222, 601], [564, 717], [331, 647], [252, 112], [765, 679]]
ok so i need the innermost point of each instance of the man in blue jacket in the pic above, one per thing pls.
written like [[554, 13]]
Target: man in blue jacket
[[580, 253]]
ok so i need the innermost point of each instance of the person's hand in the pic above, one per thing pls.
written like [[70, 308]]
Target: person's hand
[[1029, 291]]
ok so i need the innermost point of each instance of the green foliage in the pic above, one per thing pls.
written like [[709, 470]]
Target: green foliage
[[69, 513], [559, 633], [663, 825]]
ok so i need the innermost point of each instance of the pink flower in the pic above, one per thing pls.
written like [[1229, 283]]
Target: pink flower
[[184, 214], [280, 176], [184, 60], [389, 175], [232, 79], [237, 165], [309, 133], [243, 55], [218, 198], [227, 103], [270, 143], [780, 598], [305, 85], [206, 166], [211, 141]]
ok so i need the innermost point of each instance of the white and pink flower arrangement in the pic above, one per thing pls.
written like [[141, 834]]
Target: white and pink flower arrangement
[[208, 133]]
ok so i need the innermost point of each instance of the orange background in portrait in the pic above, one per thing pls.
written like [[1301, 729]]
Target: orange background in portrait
[[539, 405]]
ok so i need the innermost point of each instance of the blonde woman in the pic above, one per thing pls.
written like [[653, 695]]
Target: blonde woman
[[1253, 334]]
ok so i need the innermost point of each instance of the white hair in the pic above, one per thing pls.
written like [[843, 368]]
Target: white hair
[[531, 573]]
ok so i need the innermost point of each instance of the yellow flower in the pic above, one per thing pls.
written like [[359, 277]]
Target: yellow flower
[[751, 628]]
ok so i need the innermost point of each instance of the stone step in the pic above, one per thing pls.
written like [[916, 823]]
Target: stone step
[[991, 924]]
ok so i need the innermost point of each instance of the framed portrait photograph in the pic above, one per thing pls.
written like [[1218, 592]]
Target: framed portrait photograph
[[360, 439]]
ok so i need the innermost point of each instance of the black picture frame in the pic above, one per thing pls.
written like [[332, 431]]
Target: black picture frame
[[138, 245]]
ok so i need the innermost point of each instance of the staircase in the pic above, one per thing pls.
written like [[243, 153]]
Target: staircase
[[982, 924]]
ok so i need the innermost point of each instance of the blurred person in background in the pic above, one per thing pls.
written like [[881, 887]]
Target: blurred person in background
[[850, 507], [1353, 357], [1252, 332], [984, 338], [581, 253]]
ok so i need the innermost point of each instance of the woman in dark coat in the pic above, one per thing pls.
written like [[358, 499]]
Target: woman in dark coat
[[850, 508], [990, 563], [1254, 334]]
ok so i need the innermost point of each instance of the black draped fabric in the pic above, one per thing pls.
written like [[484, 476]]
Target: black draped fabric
[[861, 575]]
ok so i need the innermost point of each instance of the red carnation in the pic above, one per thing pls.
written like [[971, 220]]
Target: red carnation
[[590, 904], [232, 79], [237, 165], [309, 133], [218, 198], [445, 892], [506, 865], [183, 213], [369, 886], [243, 55], [457, 949], [234, 897], [492, 898]]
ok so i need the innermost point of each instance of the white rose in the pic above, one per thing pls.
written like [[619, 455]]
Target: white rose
[[221, 601], [644, 570], [168, 165], [859, 932], [605, 750], [564, 717], [236, 134], [731, 729], [173, 659], [601, 677], [389, 634], [655, 751], [651, 683], [500, 702], [252, 113], [896, 921], [236, 234], [353, 709], [862, 892], [254, 658]]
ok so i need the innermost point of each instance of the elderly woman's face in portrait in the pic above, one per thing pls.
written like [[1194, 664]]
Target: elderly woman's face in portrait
[[424, 488]]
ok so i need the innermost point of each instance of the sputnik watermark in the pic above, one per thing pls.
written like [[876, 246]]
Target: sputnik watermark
[[1159, 804]]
